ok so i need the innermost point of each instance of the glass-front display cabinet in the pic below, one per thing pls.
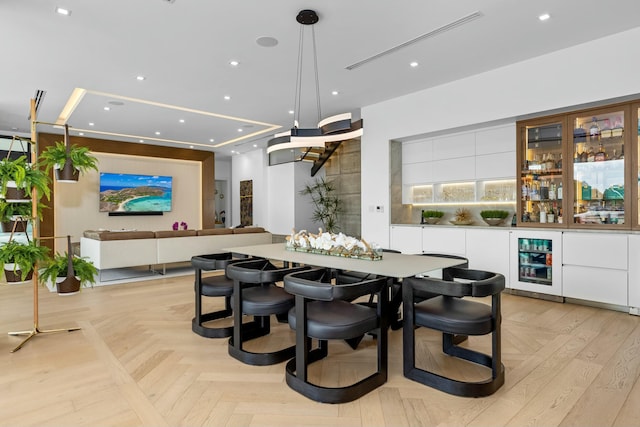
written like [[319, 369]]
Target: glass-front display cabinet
[[599, 169], [541, 165]]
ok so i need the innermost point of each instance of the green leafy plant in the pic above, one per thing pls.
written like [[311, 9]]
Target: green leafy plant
[[25, 175], [12, 170], [327, 204], [79, 156], [57, 266], [494, 214], [432, 214], [24, 256]]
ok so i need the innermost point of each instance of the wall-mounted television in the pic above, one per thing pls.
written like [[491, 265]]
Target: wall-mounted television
[[123, 193]]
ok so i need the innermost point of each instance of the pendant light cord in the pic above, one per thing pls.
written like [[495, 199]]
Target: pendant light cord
[[298, 94]]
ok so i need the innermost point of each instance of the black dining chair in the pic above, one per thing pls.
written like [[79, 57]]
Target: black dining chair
[[350, 276], [212, 286], [323, 312], [454, 312], [255, 293]]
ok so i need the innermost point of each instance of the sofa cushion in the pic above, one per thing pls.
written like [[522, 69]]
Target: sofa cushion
[[214, 231], [174, 233], [245, 230], [118, 234]]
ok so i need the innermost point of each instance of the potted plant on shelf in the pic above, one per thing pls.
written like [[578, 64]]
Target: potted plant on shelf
[[431, 216], [18, 259], [56, 270], [494, 217], [68, 161]]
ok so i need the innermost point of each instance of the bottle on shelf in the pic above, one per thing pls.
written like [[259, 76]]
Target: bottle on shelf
[[559, 162], [552, 191], [621, 152], [591, 155], [559, 191], [594, 129], [601, 155]]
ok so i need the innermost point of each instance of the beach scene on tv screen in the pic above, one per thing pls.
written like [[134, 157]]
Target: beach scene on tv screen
[[121, 192]]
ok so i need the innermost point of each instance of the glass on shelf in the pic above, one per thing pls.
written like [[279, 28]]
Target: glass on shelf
[[456, 192], [541, 174], [598, 169]]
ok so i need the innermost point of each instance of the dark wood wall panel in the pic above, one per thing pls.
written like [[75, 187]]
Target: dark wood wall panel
[[125, 148]]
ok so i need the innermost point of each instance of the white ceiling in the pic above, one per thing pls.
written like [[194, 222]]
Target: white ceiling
[[183, 48]]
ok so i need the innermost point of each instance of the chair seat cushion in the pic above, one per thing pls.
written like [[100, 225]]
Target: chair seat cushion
[[217, 286], [454, 315], [266, 300], [336, 319]]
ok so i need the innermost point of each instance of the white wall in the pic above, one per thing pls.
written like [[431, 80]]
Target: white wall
[[223, 174], [569, 77], [250, 166], [280, 201], [77, 204]]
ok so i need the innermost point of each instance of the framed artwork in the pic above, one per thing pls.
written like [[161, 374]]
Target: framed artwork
[[246, 202]]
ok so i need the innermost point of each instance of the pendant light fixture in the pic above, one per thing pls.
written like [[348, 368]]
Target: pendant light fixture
[[303, 143]]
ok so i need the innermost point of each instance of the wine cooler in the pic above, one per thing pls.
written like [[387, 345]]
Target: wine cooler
[[536, 265]]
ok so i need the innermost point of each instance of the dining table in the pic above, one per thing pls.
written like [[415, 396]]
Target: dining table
[[393, 265], [390, 265]]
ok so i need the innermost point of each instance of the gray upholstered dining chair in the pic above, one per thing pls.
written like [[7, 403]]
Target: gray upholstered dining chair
[[454, 312], [323, 311]]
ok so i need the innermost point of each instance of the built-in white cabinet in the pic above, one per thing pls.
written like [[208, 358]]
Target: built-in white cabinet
[[634, 272], [488, 249], [406, 239], [444, 240], [595, 267], [429, 165]]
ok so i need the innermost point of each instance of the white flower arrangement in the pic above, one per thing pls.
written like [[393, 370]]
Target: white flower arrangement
[[332, 244]]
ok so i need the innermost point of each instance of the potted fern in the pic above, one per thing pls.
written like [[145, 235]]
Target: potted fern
[[56, 269], [19, 259], [15, 216], [68, 161]]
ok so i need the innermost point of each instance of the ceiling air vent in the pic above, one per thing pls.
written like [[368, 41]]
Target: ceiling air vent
[[430, 34], [39, 96]]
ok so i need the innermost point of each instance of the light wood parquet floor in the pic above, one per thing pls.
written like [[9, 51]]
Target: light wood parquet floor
[[135, 362]]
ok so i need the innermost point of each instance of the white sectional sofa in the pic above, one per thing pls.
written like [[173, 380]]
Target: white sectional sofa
[[117, 249]]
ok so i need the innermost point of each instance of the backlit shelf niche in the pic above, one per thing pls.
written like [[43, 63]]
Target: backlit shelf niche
[[457, 193]]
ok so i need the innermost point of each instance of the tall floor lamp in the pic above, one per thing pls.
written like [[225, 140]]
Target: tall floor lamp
[[36, 236]]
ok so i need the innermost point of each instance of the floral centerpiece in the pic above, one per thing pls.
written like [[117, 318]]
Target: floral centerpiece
[[326, 243]]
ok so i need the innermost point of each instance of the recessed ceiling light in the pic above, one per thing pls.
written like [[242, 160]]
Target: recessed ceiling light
[[140, 78], [157, 133], [91, 123], [544, 17], [239, 129], [255, 145], [267, 41], [81, 133], [227, 97], [141, 140], [106, 108], [63, 11], [334, 92], [211, 140], [191, 146], [234, 63], [290, 111], [181, 120], [413, 64]]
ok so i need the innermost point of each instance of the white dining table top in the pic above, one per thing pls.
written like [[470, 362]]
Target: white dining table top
[[391, 264]]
